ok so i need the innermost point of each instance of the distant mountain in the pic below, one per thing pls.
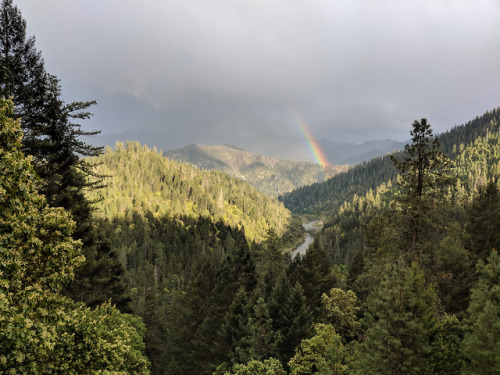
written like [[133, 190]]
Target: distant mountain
[[269, 175], [352, 153], [278, 146]]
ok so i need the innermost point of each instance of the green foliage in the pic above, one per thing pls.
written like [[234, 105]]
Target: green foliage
[[260, 340], [53, 137], [291, 316], [341, 311], [144, 181], [269, 366], [423, 176], [316, 275], [483, 225], [322, 354], [446, 357], [399, 323], [41, 331], [481, 345], [330, 195]]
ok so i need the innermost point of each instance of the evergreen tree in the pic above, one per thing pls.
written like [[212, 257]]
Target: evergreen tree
[[260, 341], [269, 366], [234, 328], [53, 138], [483, 225], [446, 358], [481, 345], [315, 274], [423, 177], [42, 332], [270, 263], [341, 311], [50, 135], [291, 316], [400, 322]]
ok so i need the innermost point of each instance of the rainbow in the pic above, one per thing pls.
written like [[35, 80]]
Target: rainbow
[[314, 146]]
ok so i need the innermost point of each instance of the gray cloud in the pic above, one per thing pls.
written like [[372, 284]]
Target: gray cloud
[[230, 71]]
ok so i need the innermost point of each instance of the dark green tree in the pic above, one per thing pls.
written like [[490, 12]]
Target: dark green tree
[[53, 136], [291, 316], [481, 345], [41, 331], [316, 275], [234, 328], [423, 178], [446, 357], [400, 322], [483, 225], [270, 262], [260, 341]]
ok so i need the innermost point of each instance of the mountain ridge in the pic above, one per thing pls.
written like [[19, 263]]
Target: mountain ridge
[[269, 175]]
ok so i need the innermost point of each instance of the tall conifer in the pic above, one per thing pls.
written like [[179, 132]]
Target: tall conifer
[[53, 137]]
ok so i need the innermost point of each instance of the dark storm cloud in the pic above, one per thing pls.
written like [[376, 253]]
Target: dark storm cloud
[[230, 71]]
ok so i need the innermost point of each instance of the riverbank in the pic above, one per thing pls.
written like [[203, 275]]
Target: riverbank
[[310, 228]]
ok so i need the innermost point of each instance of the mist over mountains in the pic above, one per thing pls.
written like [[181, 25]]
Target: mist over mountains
[[269, 175], [282, 147]]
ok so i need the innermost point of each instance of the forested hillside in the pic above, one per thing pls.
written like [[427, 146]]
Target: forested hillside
[[475, 162], [142, 180], [475, 157], [269, 175], [358, 180]]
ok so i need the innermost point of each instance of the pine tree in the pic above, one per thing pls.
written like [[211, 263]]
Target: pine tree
[[341, 311], [446, 358], [53, 137], [322, 354], [483, 226], [291, 316], [260, 341], [269, 366], [42, 332], [234, 328], [400, 322], [481, 345], [315, 274], [50, 135], [423, 176]]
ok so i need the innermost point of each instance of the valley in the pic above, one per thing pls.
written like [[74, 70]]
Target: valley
[[377, 258]]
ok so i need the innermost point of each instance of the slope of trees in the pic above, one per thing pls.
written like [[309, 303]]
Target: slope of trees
[[475, 165], [268, 175], [142, 180], [330, 195]]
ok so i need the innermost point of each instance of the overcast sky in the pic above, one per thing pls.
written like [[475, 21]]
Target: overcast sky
[[233, 71]]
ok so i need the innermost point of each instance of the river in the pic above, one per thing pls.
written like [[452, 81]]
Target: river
[[310, 228]]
